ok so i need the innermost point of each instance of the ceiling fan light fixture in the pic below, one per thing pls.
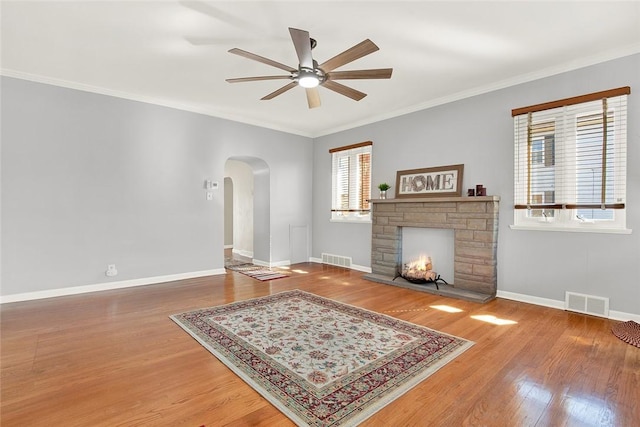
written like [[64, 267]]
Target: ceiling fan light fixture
[[308, 79]]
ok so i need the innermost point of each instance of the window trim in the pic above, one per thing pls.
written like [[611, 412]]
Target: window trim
[[351, 216], [563, 220], [595, 96], [587, 228]]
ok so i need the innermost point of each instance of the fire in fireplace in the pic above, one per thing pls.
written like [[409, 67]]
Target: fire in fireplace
[[419, 271]]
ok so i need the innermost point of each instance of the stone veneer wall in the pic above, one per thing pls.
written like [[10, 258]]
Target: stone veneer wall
[[474, 219]]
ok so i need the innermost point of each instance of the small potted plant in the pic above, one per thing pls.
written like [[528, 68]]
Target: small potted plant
[[383, 190]]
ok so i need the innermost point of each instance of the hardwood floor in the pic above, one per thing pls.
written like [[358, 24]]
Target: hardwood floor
[[114, 358]]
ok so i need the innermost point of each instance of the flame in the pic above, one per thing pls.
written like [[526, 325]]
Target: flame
[[422, 268], [421, 264]]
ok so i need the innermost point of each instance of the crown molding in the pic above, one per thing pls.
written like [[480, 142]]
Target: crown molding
[[524, 78], [7, 72]]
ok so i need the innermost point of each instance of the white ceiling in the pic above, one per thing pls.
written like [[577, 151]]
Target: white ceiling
[[174, 53]]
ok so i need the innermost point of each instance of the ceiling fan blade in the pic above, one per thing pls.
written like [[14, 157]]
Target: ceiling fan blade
[[344, 90], [313, 97], [379, 73], [256, 79], [358, 51], [302, 43], [262, 59], [280, 91]]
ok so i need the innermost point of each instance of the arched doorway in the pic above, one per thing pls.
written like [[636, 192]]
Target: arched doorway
[[228, 213], [251, 219]]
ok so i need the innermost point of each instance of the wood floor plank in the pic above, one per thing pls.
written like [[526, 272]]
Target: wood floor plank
[[115, 358]]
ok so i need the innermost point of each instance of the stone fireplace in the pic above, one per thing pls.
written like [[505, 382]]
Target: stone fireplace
[[475, 224]]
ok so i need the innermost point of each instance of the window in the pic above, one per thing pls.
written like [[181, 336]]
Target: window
[[570, 163], [351, 182]]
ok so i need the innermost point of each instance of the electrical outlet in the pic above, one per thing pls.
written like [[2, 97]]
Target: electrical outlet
[[209, 195], [111, 270]]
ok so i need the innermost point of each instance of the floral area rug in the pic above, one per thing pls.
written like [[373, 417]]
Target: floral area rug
[[256, 271], [319, 361]]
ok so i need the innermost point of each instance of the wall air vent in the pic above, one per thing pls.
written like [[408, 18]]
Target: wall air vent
[[337, 260], [587, 304]]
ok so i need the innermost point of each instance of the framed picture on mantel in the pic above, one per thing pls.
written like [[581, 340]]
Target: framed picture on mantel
[[442, 181]]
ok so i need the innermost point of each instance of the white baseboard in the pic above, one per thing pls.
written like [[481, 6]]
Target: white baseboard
[[545, 302], [50, 293], [246, 254], [284, 263], [560, 305], [228, 247], [362, 268], [621, 315], [272, 264]]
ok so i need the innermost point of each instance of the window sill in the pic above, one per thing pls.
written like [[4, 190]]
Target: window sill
[[586, 229], [351, 221]]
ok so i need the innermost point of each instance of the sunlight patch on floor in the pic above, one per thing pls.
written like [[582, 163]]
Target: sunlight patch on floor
[[530, 390], [588, 410], [489, 318], [447, 308]]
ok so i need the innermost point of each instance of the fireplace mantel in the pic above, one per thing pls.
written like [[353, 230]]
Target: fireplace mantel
[[475, 224], [439, 200]]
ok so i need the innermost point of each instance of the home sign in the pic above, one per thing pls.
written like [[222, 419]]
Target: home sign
[[442, 181]]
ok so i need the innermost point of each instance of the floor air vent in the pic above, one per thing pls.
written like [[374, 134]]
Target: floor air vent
[[340, 261], [588, 304]]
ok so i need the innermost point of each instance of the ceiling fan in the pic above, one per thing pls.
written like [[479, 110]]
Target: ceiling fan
[[310, 75]]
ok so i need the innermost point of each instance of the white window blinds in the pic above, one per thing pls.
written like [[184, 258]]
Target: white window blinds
[[351, 181], [570, 160]]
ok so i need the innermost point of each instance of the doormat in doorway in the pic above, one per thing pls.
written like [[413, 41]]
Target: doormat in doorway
[[256, 271], [319, 361]]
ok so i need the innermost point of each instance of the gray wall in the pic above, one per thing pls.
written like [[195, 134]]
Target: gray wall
[[478, 132], [90, 180]]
